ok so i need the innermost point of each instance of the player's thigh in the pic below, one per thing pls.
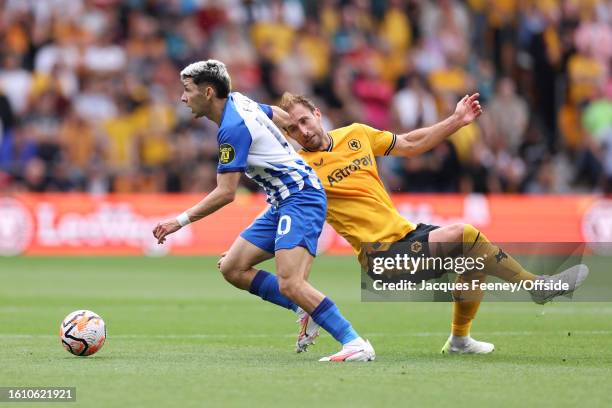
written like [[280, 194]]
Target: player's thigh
[[447, 234], [293, 264], [443, 241], [243, 255], [257, 239]]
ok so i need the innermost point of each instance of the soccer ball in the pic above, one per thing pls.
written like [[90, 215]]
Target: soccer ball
[[83, 333]]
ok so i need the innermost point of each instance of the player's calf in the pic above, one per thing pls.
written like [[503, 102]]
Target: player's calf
[[236, 268]]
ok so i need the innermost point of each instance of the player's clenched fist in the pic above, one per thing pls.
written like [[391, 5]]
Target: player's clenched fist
[[165, 228]]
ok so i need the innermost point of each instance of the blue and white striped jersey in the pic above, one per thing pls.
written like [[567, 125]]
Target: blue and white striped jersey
[[249, 141]]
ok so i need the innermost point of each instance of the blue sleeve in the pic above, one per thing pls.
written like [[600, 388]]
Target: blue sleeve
[[234, 146], [267, 109]]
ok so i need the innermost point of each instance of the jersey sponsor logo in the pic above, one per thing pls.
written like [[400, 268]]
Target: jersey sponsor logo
[[340, 174], [354, 144], [226, 153]]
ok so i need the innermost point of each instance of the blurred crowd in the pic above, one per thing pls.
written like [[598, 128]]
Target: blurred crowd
[[90, 89]]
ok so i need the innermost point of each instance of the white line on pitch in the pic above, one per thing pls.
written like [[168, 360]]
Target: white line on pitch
[[263, 335]]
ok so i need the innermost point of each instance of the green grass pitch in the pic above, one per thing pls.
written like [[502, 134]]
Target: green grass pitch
[[180, 336]]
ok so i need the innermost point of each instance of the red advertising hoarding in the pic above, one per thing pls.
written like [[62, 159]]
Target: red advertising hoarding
[[81, 224]]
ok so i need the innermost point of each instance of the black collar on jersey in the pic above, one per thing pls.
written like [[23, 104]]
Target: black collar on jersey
[[329, 148]]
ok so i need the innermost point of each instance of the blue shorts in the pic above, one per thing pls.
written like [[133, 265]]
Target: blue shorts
[[297, 221]]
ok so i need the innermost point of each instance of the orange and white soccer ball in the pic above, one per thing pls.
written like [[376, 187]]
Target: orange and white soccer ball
[[83, 333]]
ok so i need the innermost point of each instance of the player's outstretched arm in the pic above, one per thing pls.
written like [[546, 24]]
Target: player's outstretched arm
[[280, 117], [421, 140], [223, 194]]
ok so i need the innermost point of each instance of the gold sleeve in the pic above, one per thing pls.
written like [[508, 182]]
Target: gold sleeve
[[382, 141]]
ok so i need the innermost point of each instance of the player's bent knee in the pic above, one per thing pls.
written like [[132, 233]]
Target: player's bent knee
[[225, 267], [231, 273], [470, 233], [456, 232], [286, 288], [289, 287]]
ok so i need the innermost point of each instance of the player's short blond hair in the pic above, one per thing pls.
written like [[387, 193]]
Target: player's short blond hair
[[289, 100]]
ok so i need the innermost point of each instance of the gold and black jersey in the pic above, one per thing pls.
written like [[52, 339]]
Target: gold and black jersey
[[358, 206]]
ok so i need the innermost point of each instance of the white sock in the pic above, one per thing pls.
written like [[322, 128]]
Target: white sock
[[358, 342]]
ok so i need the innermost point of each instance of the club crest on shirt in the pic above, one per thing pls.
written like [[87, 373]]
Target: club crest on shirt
[[226, 153], [354, 144], [416, 247]]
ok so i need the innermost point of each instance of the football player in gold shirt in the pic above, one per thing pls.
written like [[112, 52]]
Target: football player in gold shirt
[[360, 209]]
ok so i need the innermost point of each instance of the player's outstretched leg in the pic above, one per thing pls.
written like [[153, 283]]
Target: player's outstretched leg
[[498, 263], [292, 267], [475, 244]]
